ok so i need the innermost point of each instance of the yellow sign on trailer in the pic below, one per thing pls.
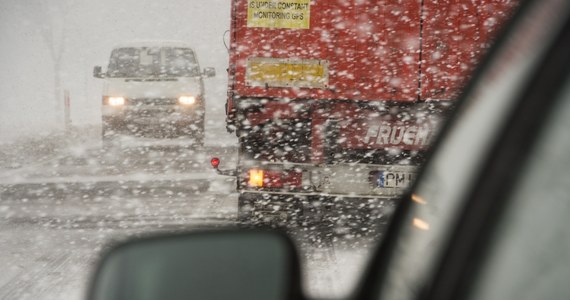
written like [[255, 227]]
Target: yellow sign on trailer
[[292, 14], [287, 72]]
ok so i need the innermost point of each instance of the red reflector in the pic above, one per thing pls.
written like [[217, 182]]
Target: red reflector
[[215, 162]]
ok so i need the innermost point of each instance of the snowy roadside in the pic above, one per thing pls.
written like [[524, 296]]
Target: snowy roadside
[[41, 148]]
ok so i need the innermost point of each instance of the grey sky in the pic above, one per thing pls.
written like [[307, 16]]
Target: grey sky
[[92, 28]]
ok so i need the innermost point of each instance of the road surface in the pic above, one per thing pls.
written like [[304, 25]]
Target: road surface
[[61, 208]]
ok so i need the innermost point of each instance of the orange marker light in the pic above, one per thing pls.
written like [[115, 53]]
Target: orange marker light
[[255, 178]]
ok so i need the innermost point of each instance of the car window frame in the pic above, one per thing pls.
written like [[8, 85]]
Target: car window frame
[[490, 196], [380, 261], [524, 215]]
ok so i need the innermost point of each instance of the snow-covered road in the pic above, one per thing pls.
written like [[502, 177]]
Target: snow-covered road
[[57, 214]]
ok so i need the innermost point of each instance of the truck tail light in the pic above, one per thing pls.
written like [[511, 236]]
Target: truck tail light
[[255, 178], [274, 179]]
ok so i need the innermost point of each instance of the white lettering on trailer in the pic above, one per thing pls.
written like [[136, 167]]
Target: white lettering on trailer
[[396, 134], [384, 134], [423, 135], [410, 135]]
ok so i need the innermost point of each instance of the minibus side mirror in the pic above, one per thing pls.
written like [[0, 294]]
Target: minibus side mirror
[[209, 72], [98, 72]]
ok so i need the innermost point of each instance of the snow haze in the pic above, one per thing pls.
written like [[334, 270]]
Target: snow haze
[[30, 30]]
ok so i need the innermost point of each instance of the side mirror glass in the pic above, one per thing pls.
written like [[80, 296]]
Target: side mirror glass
[[98, 72], [209, 72], [209, 265]]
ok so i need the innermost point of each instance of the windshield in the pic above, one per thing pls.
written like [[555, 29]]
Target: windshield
[[322, 113], [148, 62]]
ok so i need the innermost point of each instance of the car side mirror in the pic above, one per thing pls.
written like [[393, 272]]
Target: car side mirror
[[209, 72], [208, 265], [98, 72]]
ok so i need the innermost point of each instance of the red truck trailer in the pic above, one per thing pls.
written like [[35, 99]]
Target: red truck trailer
[[335, 101]]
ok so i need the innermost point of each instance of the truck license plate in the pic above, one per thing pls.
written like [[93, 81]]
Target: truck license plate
[[392, 179]]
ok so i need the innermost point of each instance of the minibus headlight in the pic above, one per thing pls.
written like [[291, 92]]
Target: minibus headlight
[[186, 100], [116, 101]]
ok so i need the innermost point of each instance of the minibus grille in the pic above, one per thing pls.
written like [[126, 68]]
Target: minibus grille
[[152, 101]]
